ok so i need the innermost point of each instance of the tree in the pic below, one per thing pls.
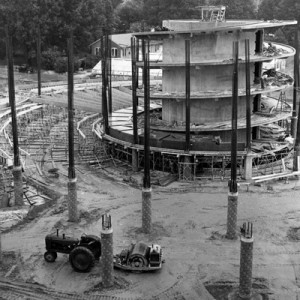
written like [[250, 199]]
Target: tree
[[127, 13], [281, 10], [88, 18], [264, 11], [238, 9], [146, 14]]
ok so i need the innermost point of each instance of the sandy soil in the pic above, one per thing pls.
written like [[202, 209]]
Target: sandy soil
[[189, 221]]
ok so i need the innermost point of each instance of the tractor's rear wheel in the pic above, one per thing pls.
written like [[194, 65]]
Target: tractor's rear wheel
[[82, 259], [50, 256]]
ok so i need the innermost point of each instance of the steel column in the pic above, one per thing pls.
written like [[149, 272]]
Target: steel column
[[187, 95]]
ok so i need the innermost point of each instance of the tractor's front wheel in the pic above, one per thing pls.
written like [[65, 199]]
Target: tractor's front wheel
[[50, 256], [82, 259]]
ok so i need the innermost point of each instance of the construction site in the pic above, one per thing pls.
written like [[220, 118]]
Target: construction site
[[185, 117]]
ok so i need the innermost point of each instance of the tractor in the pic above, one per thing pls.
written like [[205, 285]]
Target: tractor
[[82, 252]]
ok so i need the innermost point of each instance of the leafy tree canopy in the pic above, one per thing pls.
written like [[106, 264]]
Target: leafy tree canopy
[[55, 18], [281, 10]]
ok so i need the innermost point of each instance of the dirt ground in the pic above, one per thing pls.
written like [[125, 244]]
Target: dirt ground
[[189, 221]]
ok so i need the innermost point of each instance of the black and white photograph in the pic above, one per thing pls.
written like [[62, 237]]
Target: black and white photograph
[[149, 150]]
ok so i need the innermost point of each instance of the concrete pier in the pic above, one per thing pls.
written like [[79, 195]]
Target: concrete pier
[[107, 252], [232, 216], [72, 200], [146, 210], [18, 186]]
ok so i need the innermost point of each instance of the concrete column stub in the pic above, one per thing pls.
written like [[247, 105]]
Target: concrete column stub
[[246, 262], [18, 185], [72, 200], [146, 210], [232, 216], [107, 252], [135, 160]]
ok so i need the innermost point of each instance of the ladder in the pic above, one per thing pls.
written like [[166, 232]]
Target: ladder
[[281, 101], [212, 13], [218, 15]]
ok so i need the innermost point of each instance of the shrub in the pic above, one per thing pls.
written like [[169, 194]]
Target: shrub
[[61, 64], [90, 61], [49, 58]]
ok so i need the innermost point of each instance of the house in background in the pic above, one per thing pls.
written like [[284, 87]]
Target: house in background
[[121, 46], [121, 55]]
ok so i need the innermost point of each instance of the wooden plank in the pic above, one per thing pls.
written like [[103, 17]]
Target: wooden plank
[[278, 176]]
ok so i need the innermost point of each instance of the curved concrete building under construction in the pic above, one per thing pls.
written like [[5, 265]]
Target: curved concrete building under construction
[[191, 108]]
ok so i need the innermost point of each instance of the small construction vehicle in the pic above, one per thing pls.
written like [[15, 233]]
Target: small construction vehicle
[[139, 257], [82, 253]]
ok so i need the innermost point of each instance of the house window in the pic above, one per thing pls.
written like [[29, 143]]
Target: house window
[[114, 52], [97, 51]]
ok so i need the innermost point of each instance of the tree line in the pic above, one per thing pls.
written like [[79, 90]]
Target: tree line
[[89, 19]]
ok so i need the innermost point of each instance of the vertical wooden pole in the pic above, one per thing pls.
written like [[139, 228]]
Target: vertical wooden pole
[[104, 84], [134, 82], [1, 256], [296, 85], [72, 190], [248, 157], [134, 87], [38, 49], [17, 168], [248, 96], [38, 56], [233, 184], [109, 70], [233, 193], [146, 192]]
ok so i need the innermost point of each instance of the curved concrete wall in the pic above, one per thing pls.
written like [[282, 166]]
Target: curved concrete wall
[[210, 110], [207, 81], [210, 79], [207, 46]]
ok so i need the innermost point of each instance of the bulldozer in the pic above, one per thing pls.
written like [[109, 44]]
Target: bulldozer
[[82, 252]]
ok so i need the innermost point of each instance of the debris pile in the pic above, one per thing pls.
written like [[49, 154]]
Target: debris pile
[[272, 77], [270, 50], [272, 131]]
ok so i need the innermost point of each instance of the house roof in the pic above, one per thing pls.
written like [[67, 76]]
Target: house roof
[[120, 39], [123, 40]]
